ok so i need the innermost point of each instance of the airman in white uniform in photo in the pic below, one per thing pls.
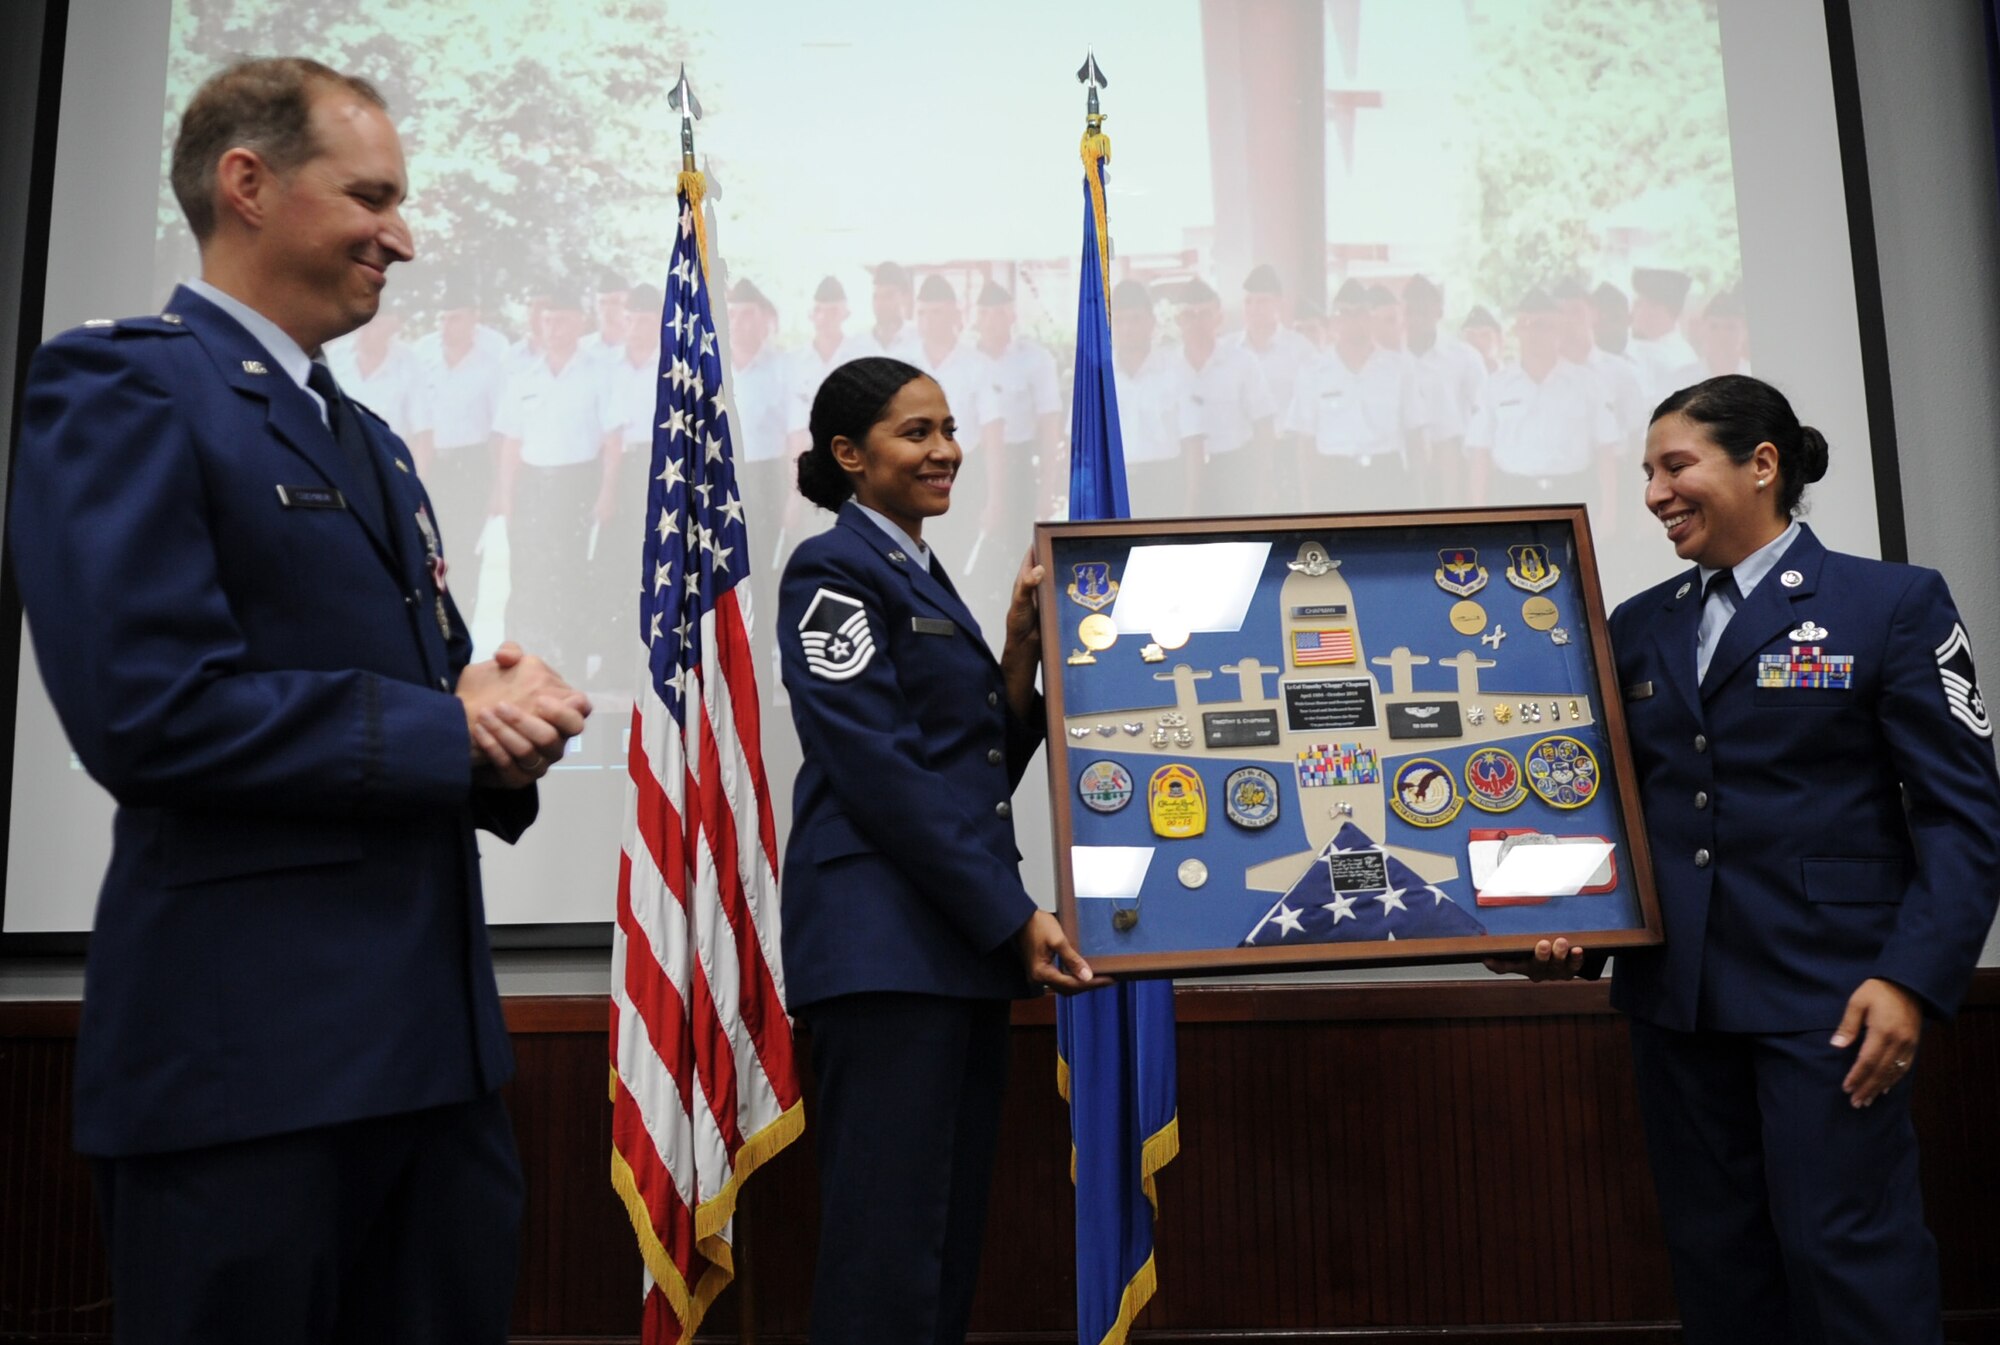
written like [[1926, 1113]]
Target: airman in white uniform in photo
[[559, 436], [465, 375], [1721, 339], [1657, 346], [1450, 376], [1227, 402], [1357, 417], [893, 334], [1159, 457], [1545, 432], [966, 378]]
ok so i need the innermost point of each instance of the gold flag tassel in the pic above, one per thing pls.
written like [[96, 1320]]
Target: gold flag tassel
[[1097, 153], [692, 185]]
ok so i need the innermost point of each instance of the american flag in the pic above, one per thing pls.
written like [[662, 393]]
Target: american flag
[[1322, 646], [1358, 892], [703, 1086]]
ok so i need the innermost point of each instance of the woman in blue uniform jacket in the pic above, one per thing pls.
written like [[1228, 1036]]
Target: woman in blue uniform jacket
[[1816, 766], [907, 931]]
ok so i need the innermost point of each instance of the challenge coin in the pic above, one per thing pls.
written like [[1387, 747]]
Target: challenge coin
[[1097, 631]]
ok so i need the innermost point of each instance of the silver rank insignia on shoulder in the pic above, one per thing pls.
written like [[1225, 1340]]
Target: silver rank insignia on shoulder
[[174, 318], [1683, 590], [1809, 633], [400, 464], [1791, 579], [834, 636], [254, 367], [1961, 684], [100, 322]]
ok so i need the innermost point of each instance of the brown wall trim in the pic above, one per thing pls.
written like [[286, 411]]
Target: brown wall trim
[[541, 1015]]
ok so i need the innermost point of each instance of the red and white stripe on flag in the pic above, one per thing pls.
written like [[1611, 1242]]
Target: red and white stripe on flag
[[703, 1086]]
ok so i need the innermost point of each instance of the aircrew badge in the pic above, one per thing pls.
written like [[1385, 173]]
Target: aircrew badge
[[1104, 786], [1460, 572], [1530, 568], [1562, 772], [1424, 794], [1250, 797], [1176, 802], [1493, 780], [1093, 586], [1313, 561]]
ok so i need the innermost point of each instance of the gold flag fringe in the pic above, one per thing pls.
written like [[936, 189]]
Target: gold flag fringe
[[693, 186], [1096, 153]]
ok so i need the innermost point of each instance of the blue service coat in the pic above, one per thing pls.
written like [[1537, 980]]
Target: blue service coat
[[901, 873], [291, 932], [1807, 838]]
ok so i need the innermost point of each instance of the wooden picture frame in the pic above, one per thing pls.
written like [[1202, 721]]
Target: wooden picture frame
[[1272, 743]]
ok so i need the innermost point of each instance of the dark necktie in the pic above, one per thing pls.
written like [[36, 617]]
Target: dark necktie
[[1713, 620], [341, 420]]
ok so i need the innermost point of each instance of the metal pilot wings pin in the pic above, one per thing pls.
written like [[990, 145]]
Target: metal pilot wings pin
[[1961, 683], [1313, 561], [1529, 568], [834, 636], [1092, 585], [1460, 572]]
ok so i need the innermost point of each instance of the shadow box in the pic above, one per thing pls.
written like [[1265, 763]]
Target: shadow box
[[1280, 743]]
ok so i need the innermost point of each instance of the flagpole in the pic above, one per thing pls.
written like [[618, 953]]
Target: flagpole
[[1115, 1063]]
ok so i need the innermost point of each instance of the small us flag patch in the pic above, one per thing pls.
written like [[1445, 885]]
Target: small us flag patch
[[834, 635], [1961, 684]]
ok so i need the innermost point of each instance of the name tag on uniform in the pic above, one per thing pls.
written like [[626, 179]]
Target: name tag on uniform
[[932, 625], [311, 497], [1639, 691]]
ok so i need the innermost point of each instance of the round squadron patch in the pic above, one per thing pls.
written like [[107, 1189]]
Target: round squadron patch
[[1250, 797], [1493, 780], [1424, 794], [1562, 772], [1104, 786], [834, 636]]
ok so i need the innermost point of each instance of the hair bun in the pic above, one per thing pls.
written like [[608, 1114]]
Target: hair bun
[[1812, 454]]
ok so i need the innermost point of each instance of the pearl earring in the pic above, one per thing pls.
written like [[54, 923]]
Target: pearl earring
[[1761, 483]]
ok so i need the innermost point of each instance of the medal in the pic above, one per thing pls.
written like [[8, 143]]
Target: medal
[[1539, 613], [1468, 617], [1192, 873], [1097, 631]]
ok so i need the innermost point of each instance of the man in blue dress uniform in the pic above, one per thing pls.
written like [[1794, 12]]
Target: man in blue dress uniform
[[292, 1039]]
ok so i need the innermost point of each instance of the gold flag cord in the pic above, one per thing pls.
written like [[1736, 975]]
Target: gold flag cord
[[1096, 153], [692, 186]]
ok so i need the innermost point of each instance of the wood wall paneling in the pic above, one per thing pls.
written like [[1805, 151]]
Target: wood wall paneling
[[1367, 1163]]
